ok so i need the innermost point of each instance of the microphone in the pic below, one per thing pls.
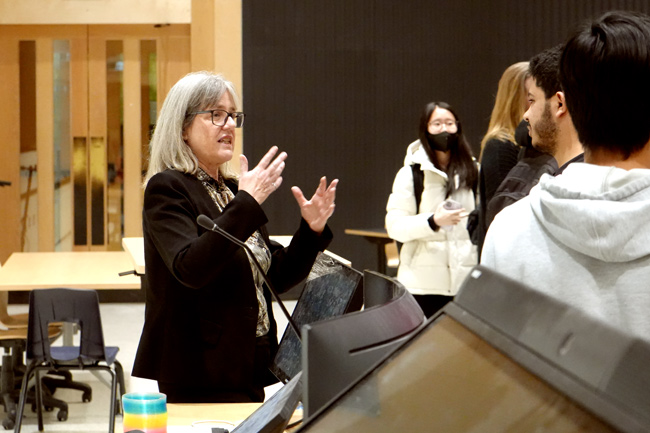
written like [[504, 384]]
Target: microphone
[[205, 222]]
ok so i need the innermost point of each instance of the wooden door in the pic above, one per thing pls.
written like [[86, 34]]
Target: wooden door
[[79, 105]]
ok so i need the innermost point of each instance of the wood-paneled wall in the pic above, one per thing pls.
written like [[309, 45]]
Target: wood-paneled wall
[[95, 12]]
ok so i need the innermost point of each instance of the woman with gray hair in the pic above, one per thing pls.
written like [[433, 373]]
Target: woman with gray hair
[[209, 333]]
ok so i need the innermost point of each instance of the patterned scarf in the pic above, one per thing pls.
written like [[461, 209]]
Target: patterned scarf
[[221, 195]]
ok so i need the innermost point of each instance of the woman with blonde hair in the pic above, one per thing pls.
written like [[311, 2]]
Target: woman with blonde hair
[[499, 150]]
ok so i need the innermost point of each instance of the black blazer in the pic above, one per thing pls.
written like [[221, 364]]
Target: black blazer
[[201, 307]]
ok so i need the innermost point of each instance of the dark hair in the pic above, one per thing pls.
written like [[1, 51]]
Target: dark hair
[[544, 68], [605, 75], [461, 162]]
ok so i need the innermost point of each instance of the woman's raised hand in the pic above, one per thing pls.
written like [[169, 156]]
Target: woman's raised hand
[[265, 178], [320, 207]]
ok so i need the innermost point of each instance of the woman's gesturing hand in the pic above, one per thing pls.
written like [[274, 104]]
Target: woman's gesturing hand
[[320, 207], [265, 178]]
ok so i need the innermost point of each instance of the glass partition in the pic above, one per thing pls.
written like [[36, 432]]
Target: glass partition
[[62, 147], [28, 158], [149, 74], [114, 167]]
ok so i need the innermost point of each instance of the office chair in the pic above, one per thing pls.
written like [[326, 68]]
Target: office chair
[[13, 341], [11, 321], [20, 321], [74, 306], [14, 349]]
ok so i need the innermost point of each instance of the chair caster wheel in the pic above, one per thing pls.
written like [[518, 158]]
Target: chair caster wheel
[[62, 415], [7, 424], [86, 397]]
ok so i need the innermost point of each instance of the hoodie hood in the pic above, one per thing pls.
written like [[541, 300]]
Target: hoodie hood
[[600, 212]]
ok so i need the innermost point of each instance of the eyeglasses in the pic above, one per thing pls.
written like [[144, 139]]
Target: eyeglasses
[[220, 117], [436, 126]]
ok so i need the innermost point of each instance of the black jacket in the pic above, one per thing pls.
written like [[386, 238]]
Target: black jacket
[[521, 179], [201, 307]]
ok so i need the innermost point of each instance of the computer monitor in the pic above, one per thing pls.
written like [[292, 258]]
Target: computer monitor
[[331, 289], [336, 352], [501, 357]]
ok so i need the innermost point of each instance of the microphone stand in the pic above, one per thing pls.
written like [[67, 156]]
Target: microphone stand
[[208, 224]]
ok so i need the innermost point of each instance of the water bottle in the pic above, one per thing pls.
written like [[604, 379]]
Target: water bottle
[[450, 205]]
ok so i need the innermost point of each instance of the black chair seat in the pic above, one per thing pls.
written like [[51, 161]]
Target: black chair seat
[[70, 355]]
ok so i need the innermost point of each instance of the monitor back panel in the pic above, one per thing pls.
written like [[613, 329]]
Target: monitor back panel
[[330, 291], [336, 352]]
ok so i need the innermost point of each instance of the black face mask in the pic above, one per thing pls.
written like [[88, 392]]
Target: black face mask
[[442, 141]]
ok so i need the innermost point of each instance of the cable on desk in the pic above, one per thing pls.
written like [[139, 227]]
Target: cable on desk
[[211, 422]]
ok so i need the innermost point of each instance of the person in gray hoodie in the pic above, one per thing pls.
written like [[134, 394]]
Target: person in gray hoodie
[[584, 237]]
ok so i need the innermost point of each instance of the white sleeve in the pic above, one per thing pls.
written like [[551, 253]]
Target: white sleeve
[[488, 252], [402, 221]]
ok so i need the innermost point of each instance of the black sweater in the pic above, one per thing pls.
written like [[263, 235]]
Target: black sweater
[[498, 158]]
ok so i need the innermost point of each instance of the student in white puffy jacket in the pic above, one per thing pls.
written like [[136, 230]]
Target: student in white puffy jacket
[[437, 252]]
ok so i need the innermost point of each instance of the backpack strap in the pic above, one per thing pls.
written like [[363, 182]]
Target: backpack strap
[[418, 185]]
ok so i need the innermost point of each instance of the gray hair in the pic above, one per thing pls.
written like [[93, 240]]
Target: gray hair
[[196, 91]]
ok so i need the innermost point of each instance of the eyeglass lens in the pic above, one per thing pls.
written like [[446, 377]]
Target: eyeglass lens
[[450, 126], [220, 117]]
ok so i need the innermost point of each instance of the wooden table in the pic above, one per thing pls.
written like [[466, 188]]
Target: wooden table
[[378, 237], [75, 270], [135, 248]]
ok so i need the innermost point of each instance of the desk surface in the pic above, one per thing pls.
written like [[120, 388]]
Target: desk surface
[[135, 248], [185, 414], [76, 270]]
